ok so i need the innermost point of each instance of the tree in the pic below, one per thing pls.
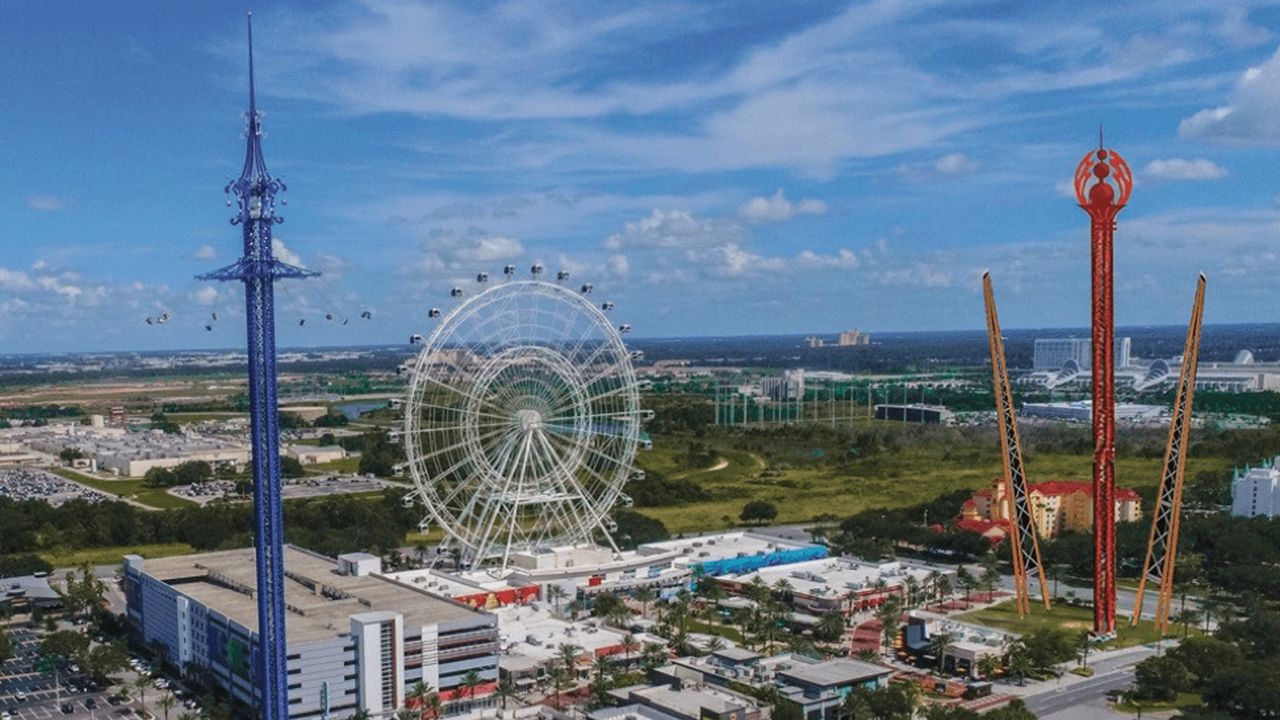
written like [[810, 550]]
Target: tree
[[141, 683], [760, 512], [1015, 710], [938, 644], [888, 614], [1186, 617], [6, 645], [70, 454], [1160, 678], [644, 596], [1205, 657], [68, 645], [291, 467], [104, 660], [505, 691], [166, 703], [470, 681], [629, 645], [417, 696], [556, 593], [967, 582], [830, 628], [990, 572]]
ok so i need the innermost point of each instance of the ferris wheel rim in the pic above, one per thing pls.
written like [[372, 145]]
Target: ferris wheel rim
[[563, 449]]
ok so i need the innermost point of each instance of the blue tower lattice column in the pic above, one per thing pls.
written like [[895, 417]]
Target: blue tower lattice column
[[255, 195]]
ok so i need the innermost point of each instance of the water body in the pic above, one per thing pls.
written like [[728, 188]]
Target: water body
[[354, 410]]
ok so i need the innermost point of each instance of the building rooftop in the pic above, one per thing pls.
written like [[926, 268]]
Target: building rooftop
[[320, 601], [832, 673], [722, 545], [736, 655], [831, 577]]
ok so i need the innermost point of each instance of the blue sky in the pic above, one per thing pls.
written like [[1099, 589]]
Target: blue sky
[[714, 168]]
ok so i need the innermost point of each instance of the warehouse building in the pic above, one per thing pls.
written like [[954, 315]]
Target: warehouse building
[[358, 640]]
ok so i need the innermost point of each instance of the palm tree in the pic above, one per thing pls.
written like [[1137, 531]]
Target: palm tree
[[942, 586], [556, 593], [434, 704], [987, 665], [505, 691], [912, 586], [938, 644], [1083, 644], [470, 681], [166, 703], [418, 697], [888, 614], [569, 654], [644, 596], [966, 581], [404, 714], [867, 655], [715, 644], [629, 645], [1019, 662], [990, 572], [1187, 617], [141, 683]]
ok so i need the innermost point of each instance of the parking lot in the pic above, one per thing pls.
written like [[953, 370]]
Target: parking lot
[[26, 693]]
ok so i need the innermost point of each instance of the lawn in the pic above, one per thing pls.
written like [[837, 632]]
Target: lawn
[[62, 558], [1062, 617], [1184, 701], [132, 489], [350, 465], [793, 475]]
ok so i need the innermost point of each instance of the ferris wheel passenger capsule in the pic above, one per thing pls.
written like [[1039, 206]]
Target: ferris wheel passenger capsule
[[415, 339], [482, 277], [433, 313], [536, 270], [587, 288], [606, 306], [456, 292], [562, 275], [637, 354], [624, 328], [509, 270]]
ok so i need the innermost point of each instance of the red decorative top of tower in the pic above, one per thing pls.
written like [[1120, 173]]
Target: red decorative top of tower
[[1103, 183]]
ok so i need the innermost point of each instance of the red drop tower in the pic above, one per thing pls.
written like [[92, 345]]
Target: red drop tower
[[1103, 183]]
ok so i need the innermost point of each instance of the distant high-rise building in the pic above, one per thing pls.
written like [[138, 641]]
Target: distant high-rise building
[[1256, 492], [788, 386], [814, 341], [853, 337], [1052, 353]]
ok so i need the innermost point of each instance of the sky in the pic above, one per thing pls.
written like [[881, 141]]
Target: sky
[[713, 168]]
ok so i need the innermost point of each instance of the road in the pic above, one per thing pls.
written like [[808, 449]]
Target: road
[[1113, 671]]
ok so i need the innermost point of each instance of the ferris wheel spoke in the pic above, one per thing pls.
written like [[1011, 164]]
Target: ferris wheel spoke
[[572, 507]]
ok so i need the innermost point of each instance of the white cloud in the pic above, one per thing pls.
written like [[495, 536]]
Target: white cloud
[[843, 258], [283, 253], [15, 280], [1179, 169], [673, 229], [450, 251], [45, 203], [1249, 116], [619, 265], [777, 207], [206, 295], [205, 252], [955, 164]]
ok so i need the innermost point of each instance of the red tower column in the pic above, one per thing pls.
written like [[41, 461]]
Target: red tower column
[[1103, 183]]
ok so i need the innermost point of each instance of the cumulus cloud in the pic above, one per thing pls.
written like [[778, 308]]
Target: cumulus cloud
[[206, 295], [842, 258], [15, 280], [283, 253], [777, 207], [447, 250], [205, 252], [45, 203], [1249, 115], [675, 228], [1179, 169], [951, 165]]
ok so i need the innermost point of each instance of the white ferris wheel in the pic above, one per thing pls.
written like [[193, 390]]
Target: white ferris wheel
[[523, 419]]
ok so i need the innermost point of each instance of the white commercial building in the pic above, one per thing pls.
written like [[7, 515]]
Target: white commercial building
[[1256, 491], [358, 640], [1053, 353]]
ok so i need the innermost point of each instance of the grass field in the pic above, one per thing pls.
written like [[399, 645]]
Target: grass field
[[60, 558], [1063, 617], [802, 487], [131, 489], [345, 465], [1184, 701]]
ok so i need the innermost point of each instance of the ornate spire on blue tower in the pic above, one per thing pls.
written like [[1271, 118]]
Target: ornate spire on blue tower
[[255, 198]]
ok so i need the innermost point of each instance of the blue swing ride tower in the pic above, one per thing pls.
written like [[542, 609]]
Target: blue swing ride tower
[[254, 195]]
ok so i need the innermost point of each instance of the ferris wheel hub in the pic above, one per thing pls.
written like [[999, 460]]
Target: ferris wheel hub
[[530, 420]]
